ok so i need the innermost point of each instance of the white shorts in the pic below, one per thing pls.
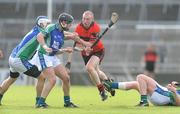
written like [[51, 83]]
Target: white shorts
[[17, 65], [161, 96], [43, 61]]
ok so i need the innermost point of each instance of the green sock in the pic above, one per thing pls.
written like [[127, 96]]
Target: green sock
[[144, 98], [37, 99], [41, 100], [67, 99]]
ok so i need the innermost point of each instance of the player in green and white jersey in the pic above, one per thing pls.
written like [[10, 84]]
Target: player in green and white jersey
[[150, 90], [19, 60]]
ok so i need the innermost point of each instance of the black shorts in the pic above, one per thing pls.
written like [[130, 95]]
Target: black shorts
[[150, 66], [14, 74], [99, 54], [33, 72]]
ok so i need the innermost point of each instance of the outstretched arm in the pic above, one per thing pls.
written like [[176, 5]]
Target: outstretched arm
[[40, 39], [74, 36], [63, 50]]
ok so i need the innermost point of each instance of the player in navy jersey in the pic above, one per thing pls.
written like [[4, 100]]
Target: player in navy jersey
[[51, 43]]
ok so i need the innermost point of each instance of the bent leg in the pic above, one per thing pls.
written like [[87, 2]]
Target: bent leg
[[51, 80], [146, 87], [61, 72], [101, 74], [39, 86], [150, 74], [146, 84], [6, 84], [92, 70]]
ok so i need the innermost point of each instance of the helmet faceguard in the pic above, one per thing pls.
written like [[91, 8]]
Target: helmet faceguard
[[42, 21], [65, 19]]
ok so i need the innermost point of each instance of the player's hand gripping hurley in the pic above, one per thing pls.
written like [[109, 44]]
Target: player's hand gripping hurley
[[114, 19]]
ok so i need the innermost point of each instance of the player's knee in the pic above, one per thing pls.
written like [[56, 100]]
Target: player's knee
[[41, 77], [66, 79], [90, 68], [10, 80], [68, 71], [52, 80], [140, 76]]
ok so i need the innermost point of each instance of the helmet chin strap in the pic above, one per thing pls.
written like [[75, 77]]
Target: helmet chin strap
[[64, 26], [43, 25]]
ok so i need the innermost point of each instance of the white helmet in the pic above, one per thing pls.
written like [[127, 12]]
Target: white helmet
[[42, 20]]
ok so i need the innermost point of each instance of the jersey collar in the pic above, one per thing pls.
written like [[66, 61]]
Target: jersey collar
[[59, 27]]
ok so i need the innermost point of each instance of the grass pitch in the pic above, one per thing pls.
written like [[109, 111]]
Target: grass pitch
[[21, 99]]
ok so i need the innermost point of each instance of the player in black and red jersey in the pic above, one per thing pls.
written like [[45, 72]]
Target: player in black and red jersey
[[88, 30]]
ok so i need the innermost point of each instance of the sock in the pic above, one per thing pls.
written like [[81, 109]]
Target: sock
[[114, 85], [122, 85], [1, 96], [67, 99], [41, 100], [37, 99], [144, 98], [100, 87]]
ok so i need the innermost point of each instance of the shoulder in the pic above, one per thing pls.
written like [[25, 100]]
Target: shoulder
[[96, 27], [96, 24], [78, 27], [50, 27]]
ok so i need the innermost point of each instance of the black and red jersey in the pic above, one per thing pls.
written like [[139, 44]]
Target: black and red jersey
[[90, 35], [150, 56]]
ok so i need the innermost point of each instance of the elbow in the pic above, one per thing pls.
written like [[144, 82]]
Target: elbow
[[40, 37]]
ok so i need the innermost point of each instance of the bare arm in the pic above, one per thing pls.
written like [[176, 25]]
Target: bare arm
[[67, 50], [177, 98], [172, 88], [74, 36], [40, 39]]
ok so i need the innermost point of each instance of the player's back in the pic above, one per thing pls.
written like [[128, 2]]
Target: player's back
[[28, 45]]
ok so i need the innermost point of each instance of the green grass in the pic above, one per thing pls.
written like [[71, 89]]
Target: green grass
[[20, 100]]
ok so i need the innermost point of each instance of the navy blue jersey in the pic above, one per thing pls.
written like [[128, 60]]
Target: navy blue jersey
[[54, 38]]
